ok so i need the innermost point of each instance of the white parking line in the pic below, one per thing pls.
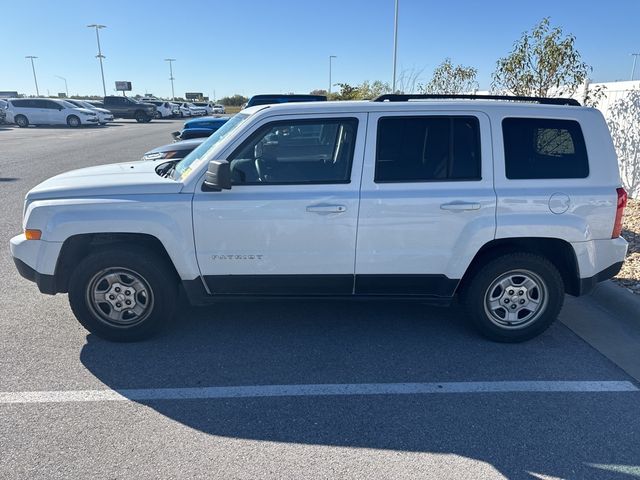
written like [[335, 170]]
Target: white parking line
[[319, 390]]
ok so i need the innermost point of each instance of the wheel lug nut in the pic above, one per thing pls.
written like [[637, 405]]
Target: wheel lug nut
[[521, 302], [506, 300], [117, 289], [510, 292], [128, 302], [520, 292], [513, 306], [127, 292], [112, 297]]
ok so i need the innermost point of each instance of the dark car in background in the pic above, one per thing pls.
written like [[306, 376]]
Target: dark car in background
[[173, 151], [269, 99], [200, 127], [125, 107]]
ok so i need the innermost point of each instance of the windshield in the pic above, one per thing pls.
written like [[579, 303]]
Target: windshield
[[68, 104], [199, 155]]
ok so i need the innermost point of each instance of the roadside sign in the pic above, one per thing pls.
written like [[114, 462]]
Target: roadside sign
[[123, 86], [193, 95]]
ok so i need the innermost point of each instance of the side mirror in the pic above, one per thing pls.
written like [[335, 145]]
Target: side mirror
[[218, 176]]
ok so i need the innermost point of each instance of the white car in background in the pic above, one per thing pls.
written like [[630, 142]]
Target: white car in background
[[208, 106], [183, 110], [218, 109], [194, 109], [104, 115], [49, 111], [163, 109]]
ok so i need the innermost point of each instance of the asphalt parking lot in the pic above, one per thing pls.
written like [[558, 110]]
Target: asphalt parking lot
[[288, 389]]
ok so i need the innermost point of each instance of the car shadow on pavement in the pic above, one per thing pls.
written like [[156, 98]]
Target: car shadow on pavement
[[314, 342]]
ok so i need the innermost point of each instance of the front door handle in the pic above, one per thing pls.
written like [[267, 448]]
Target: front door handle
[[460, 206], [326, 209]]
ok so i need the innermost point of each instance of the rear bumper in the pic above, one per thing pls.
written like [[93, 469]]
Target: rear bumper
[[587, 284], [598, 260]]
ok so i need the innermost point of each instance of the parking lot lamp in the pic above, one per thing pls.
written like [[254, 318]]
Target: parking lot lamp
[[171, 60], [33, 68], [99, 55], [66, 89], [395, 48], [331, 57], [633, 69]]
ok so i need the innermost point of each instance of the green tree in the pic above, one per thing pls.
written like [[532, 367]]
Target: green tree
[[451, 79], [544, 61], [365, 91], [233, 101]]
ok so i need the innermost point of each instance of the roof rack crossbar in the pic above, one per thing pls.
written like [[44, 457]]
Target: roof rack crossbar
[[402, 97]]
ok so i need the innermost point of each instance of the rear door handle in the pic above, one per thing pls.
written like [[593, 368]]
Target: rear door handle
[[460, 206], [326, 209]]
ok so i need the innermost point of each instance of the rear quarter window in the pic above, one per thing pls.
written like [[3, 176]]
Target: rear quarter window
[[541, 148]]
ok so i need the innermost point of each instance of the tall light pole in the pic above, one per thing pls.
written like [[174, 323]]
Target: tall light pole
[[97, 26], [331, 57], [633, 69], [395, 47], [66, 89], [33, 68], [171, 60]]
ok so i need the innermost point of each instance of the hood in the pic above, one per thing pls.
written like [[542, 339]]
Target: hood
[[102, 110], [84, 110], [134, 178]]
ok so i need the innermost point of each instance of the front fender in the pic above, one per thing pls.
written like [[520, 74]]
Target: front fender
[[165, 217]]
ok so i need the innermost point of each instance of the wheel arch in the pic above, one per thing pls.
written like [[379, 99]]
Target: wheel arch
[[559, 252], [77, 247]]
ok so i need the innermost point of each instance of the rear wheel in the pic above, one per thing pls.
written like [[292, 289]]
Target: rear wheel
[[140, 117], [21, 121], [73, 121], [123, 294], [158, 115], [514, 297]]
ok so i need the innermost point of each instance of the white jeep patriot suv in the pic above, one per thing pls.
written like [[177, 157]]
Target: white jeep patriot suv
[[507, 204]]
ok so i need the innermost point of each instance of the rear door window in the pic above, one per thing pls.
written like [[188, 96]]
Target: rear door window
[[542, 148], [427, 149]]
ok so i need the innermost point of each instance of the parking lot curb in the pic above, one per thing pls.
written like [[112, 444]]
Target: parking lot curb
[[618, 300], [609, 320]]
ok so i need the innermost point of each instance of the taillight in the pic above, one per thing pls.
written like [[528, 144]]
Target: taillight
[[622, 202]]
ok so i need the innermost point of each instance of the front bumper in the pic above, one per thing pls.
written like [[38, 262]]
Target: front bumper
[[46, 283], [36, 261], [90, 120]]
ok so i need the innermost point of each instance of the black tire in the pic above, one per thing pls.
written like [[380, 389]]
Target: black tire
[[73, 121], [158, 115], [155, 292], [148, 119], [21, 121], [489, 305], [140, 116]]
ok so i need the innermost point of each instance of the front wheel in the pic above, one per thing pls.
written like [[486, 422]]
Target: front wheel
[[123, 295], [158, 115], [21, 121], [73, 121], [141, 117], [514, 297]]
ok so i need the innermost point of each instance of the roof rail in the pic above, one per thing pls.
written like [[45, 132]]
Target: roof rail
[[401, 97]]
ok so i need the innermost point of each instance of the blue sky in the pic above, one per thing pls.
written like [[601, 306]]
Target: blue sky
[[248, 47]]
